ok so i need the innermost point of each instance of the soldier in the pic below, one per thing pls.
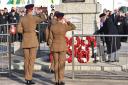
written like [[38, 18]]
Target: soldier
[[57, 44], [27, 26]]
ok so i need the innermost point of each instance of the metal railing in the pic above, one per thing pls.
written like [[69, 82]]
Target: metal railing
[[5, 51], [9, 38], [97, 66]]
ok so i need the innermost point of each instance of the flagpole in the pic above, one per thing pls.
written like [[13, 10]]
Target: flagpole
[[14, 4], [113, 4]]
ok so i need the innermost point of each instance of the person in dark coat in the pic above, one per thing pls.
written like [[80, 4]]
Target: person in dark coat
[[126, 24], [6, 13], [120, 24], [113, 43], [13, 17], [114, 16], [3, 20], [3, 28]]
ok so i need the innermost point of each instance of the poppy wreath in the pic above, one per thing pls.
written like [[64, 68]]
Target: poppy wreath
[[81, 48]]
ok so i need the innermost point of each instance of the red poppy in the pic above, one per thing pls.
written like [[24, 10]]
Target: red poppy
[[13, 29]]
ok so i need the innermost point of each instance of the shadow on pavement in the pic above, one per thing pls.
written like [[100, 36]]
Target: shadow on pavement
[[44, 80], [41, 78], [14, 77]]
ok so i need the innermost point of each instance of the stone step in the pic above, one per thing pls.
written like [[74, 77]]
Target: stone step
[[20, 66], [39, 65]]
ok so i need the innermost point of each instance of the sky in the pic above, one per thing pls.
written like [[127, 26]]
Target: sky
[[105, 3], [38, 3], [109, 3]]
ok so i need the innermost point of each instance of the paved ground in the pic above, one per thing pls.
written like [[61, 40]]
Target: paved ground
[[68, 82], [46, 78], [43, 78]]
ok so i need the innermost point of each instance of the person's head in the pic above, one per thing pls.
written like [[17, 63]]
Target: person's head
[[104, 10], [103, 17], [108, 12], [2, 12], [53, 11], [51, 14], [59, 15], [13, 11], [5, 10], [126, 14], [38, 10], [29, 8], [22, 13], [122, 11], [115, 11]]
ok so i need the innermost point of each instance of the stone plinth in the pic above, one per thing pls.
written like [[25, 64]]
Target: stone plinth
[[83, 14], [78, 7]]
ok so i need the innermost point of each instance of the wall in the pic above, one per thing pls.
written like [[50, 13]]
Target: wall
[[83, 14]]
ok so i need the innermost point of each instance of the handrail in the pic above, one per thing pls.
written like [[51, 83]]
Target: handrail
[[100, 35]]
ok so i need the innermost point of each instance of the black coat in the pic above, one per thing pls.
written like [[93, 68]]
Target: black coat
[[122, 27], [126, 25], [120, 24], [114, 18], [3, 19], [112, 43], [13, 18]]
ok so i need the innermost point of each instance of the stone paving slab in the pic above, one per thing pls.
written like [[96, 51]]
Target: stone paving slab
[[46, 78], [69, 82]]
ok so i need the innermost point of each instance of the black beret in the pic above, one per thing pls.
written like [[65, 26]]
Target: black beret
[[29, 6], [101, 15], [5, 8], [58, 14]]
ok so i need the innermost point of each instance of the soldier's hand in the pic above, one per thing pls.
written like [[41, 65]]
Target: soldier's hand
[[36, 31]]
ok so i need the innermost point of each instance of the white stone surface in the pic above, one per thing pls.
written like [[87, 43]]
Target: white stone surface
[[79, 7], [85, 15], [17, 49], [112, 68], [90, 1], [88, 28], [78, 66], [20, 66]]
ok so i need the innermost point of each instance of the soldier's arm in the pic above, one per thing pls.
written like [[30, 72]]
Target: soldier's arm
[[19, 26], [46, 33], [70, 26], [40, 17], [50, 38]]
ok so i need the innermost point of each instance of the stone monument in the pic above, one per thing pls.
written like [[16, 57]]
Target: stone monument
[[83, 13]]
